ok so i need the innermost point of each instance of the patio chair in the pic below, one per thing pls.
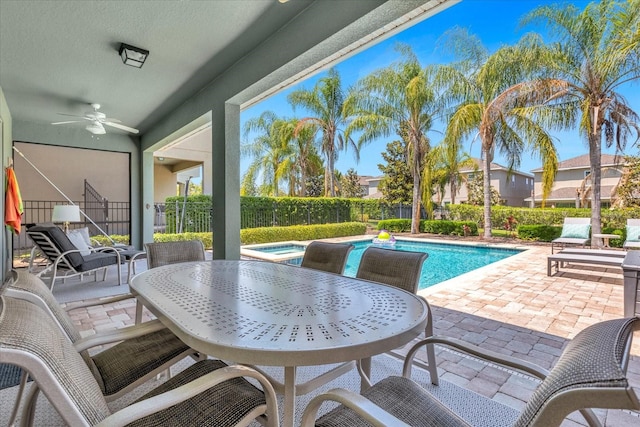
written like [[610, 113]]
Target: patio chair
[[591, 373], [329, 257], [400, 269], [142, 351], [165, 253], [207, 393], [633, 234], [63, 257], [575, 231]]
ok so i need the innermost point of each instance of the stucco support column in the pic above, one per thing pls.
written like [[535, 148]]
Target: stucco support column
[[225, 133], [147, 211]]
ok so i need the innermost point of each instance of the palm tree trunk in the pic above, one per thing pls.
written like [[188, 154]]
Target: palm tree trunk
[[486, 185], [415, 214], [595, 158]]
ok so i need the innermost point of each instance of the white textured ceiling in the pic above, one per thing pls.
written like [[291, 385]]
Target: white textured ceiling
[[59, 56]]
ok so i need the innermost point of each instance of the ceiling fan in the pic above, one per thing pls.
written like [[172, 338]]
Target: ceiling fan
[[97, 120]]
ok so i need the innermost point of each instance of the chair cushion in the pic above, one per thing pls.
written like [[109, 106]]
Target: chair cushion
[[633, 233], [403, 399], [60, 240], [222, 405], [97, 260], [577, 231], [132, 359], [80, 239]]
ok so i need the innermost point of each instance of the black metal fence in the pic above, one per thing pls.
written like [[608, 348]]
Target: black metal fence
[[113, 218]]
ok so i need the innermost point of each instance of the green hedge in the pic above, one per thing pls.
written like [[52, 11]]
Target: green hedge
[[430, 226], [615, 219], [301, 232]]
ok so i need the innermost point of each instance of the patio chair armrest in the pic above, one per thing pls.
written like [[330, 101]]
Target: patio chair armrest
[[479, 352], [362, 406], [170, 398], [121, 334], [102, 301]]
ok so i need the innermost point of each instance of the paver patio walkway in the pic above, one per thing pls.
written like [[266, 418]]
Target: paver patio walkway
[[512, 307]]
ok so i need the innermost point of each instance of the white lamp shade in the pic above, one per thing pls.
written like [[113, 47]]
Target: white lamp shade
[[65, 213]]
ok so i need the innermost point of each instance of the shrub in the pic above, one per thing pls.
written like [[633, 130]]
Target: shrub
[[543, 233], [395, 225], [301, 232], [455, 228]]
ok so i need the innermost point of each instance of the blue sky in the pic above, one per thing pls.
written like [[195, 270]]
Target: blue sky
[[495, 22]]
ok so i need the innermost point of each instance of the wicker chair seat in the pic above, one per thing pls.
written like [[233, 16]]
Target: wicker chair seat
[[403, 399], [210, 408], [127, 362]]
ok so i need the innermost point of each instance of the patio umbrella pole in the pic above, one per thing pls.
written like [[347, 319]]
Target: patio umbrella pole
[[63, 195]]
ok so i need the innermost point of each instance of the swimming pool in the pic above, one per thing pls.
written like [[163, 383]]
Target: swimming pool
[[445, 261]]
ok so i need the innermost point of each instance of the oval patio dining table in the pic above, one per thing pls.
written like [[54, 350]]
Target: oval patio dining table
[[263, 313]]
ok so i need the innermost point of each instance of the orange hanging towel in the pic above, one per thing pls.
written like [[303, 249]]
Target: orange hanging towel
[[13, 202]]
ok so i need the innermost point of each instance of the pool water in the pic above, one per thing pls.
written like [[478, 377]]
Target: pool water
[[445, 260]]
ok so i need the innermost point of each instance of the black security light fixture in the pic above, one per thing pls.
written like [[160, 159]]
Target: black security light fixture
[[132, 55]]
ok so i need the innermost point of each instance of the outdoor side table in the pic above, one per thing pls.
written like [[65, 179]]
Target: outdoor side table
[[605, 237]]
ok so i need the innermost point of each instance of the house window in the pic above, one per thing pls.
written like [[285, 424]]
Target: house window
[[587, 173], [513, 180], [470, 176]]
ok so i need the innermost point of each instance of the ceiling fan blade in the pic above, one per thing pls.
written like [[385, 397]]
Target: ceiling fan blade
[[109, 119], [122, 127], [74, 115], [64, 123]]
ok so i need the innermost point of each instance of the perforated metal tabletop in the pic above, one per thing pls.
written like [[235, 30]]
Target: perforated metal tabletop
[[264, 313]]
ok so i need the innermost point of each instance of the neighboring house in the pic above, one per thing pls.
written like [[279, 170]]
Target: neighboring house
[[514, 187], [363, 180], [570, 177], [372, 188]]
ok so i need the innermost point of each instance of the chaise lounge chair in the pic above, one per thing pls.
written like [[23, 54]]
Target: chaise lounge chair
[[563, 257], [633, 234], [575, 231], [64, 257]]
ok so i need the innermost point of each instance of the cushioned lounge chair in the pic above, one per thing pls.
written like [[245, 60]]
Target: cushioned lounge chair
[[633, 234], [575, 231], [207, 393], [325, 256], [591, 373], [63, 258], [401, 269]]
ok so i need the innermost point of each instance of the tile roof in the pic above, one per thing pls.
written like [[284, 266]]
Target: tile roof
[[583, 162]]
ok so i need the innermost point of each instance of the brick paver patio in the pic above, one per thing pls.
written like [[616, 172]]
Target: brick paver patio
[[510, 307]]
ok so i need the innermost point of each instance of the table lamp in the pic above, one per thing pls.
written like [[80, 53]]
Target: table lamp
[[65, 214]]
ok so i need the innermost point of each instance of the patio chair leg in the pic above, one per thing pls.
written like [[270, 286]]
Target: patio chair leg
[[23, 383]]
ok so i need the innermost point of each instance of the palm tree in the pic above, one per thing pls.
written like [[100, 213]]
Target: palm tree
[[451, 160], [597, 52], [303, 159], [399, 99], [268, 149], [326, 102], [498, 105]]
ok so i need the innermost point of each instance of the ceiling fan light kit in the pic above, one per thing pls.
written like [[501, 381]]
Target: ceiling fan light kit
[[132, 55], [96, 128]]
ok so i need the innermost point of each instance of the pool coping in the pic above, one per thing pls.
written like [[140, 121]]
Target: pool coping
[[247, 251]]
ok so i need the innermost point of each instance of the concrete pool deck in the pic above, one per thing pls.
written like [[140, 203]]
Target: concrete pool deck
[[511, 307]]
